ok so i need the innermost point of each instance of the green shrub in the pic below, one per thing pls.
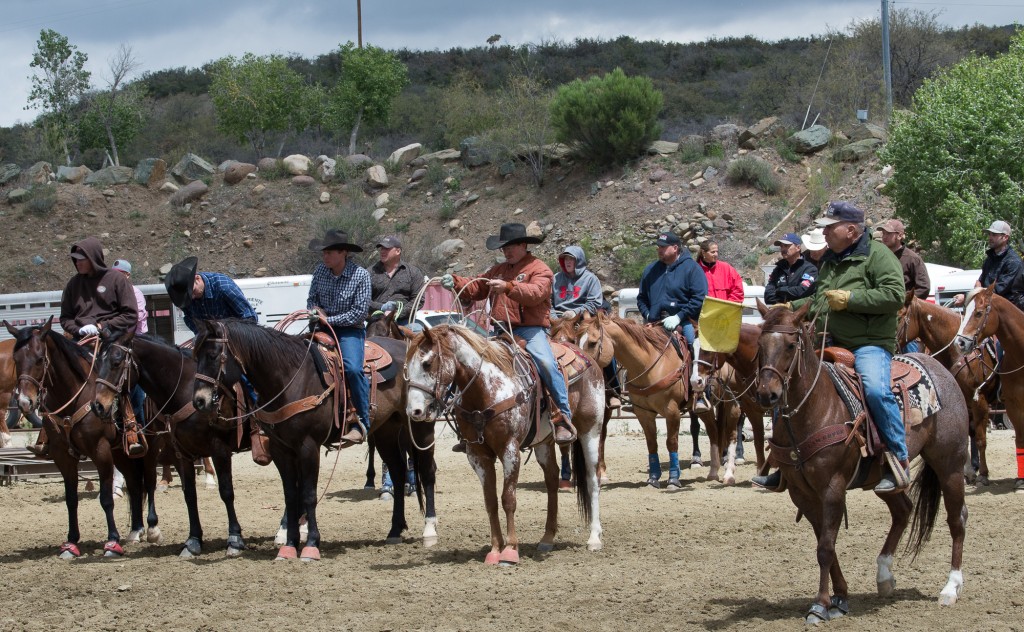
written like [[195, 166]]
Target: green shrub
[[607, 119], [277, 172], [757, 173], [690, 152], [714, 150], [786, 151], [447, 210], [632, 260], [43, 199]]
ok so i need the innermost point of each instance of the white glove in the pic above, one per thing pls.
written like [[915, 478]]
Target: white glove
[[671, 322], [448, 282], [388, 307], [88, 330]]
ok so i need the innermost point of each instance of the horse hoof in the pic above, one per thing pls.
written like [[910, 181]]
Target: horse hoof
[[983, 481], [286, 553], [281, 538], [310, 554], [162, 486], [840, 607], [1019, 486], [887, 587], [564, 485], [69, 551], [153, 535], [947, 600], [386, 495], [653, 482], [604, 480], [730, 480], [674, 483], [816, 614], [429, 541], [234, 552], [410, 489], [545, 547], [134, 537], [193, 547], [492, 558], [595, 546], [508, 557], [113, 549], [393, 540]]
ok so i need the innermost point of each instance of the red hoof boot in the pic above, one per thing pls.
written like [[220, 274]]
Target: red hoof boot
[[492, 558], [310, 554], [68, 550], [113, 549], [286, 553], [509, 557]]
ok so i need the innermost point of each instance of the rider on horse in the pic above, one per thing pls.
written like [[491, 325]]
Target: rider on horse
[[520, 289], [1002, 266], [861, 287], [394, 282]]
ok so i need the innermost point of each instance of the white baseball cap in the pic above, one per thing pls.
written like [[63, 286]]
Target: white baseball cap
[[999, 227]]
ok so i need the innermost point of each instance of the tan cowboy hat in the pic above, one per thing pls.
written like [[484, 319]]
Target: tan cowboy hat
[[511, 234], [334, 238]]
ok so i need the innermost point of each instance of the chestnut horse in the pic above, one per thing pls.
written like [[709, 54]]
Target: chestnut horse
[[493, 395], [819, 461], [727, 379], [937, 326], [655, 379], [54, 376], [988, 314]]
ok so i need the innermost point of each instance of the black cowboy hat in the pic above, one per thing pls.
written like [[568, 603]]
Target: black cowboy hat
[[180, 280], [334, 238], [511, 234]]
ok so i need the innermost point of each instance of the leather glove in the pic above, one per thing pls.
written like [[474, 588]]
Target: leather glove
[[786, 305], [671, 322], [838, 300], [88, 330], [448, 282], [388, 307]]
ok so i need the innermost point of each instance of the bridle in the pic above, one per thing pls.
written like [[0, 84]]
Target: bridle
[[977, 332], [38, 383], [795, 365], [127, 364]]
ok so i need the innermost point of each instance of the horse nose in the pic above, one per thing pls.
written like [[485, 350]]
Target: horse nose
[[416, 414]]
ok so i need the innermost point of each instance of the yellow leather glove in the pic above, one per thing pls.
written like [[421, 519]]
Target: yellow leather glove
[[838, 300], [786, 305]]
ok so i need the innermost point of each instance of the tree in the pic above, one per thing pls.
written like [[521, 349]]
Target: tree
[[371, 78], [256, 96], [957, 158], [524, 108], [115, 116], [608, 119], [59, 81]]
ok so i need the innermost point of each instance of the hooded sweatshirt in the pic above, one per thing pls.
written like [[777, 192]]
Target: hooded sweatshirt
[[104, 298], [578, 293]]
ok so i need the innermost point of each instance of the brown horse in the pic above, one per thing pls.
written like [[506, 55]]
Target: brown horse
[[988, 314], [936, 327], [728, 380], [655, 378], [54, 376], [493, 395], [819, 461]]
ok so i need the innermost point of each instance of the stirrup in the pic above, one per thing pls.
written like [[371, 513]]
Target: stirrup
[[356, 434], [568, 431]]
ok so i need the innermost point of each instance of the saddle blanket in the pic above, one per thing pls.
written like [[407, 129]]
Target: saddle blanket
[[923, 397], [571, 361]]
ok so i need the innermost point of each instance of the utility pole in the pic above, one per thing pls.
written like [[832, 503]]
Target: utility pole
[[886, 69], [359, 19]]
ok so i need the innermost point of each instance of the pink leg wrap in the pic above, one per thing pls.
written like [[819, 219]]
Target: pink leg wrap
[[286, 553]]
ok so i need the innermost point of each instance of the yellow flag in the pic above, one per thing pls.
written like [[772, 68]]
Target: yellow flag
[[719, 325]]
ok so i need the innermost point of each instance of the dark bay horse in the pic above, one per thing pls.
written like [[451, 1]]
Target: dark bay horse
[[54, 377], [819, 463], [988, 314], [285, 374], [167, 374], [937, 326], [493, 400]]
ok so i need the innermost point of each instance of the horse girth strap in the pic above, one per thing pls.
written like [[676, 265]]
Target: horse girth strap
[[660, 385], [480, 417], [822, 438], [291, 409], [68, 422]]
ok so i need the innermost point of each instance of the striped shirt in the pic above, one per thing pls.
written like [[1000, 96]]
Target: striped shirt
[[221, 299], [344, 298]]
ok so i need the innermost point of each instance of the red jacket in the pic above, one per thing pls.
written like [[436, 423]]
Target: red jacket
[[528, 300], [724, 282]]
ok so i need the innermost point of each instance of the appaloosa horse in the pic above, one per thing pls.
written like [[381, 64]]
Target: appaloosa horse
[[988, 314], [492, 390], [54, 377], [820, 460]]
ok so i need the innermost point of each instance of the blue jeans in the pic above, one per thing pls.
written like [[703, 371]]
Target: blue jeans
[[912, 347], [539, 348], [872, 364], [137, 397], [350, 342]]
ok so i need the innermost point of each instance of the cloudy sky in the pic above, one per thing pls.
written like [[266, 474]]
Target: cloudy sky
[[172, 33]]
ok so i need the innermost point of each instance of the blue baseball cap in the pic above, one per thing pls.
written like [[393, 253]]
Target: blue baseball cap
[[840, 212], [789, 239]]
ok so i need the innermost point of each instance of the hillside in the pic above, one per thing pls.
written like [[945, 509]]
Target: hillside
[[261, 226]]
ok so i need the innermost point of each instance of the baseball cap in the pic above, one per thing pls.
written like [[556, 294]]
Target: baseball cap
[[789, 239], [668, 238], [840, 212], [999, 227], [391, 241], [893, 226], [123, 266], [76, 253]]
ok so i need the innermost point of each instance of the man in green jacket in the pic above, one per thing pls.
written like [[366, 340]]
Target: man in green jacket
[[860, 285]]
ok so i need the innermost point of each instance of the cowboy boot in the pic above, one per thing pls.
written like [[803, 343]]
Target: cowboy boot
[[460, 446], [894, 481], [42, 445], [772, 482], [356, 433], [565, 432]]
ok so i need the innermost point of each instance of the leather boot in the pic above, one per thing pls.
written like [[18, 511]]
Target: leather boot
[[894, 481], [460, 446], [771, 482], [356, 434], [565, 432], [42, 445]]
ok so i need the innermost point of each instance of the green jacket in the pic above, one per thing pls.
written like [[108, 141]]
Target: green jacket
[[874, 277]]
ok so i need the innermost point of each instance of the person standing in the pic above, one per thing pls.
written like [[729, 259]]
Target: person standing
[[137, 395], [394, 283], [793, 276], [340, 288]]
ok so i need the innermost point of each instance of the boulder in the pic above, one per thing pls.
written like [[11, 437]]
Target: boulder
[[381, 200], [663, 147], [474, 152], [73, 175], [267, 164], [14, 196], [189, 193], [445, 155], [401, 156], [326, 168], [40, 173], [727, 133], [865, 131], [169, 187], [557, 152], [8, 172], [533, 229], [359, 160], [238, 171], [303, 181], [379, 214], [191, 167], [758, 130], [325, 197], [447, 249], [813, 139], [110, 176], [418, 175], [223, 167], [658, 175], [377, 177], [855, 152], [150, 172], [297, 164]]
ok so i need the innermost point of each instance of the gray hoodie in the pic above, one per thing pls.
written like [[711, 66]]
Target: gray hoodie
[[579, 293]]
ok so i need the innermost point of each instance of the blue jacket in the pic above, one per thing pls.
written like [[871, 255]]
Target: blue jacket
[[667, 290]]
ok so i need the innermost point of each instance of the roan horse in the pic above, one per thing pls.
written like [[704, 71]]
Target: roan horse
[[974, 371], [812, 443], [487, 385], [286, 377], [988, 314], [53, 376]]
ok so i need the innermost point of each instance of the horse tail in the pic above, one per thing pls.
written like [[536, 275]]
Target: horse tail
[[579, 467], [926, 495]]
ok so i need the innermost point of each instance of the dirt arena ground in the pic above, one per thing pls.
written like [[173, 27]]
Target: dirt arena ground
[[706, 557]]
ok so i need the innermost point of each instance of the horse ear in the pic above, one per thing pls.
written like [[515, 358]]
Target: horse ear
[[801, 313], [408, 333], [991, 288], [48, 325], [761, 307], [909, 298], [11, 329]]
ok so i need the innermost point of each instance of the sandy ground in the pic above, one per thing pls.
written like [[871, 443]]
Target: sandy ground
[[704, 557]]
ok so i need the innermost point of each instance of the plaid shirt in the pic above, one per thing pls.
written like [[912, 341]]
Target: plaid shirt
[[344, 298], [221, 299]]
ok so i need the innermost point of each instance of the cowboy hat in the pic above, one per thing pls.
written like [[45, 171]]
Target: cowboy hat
[[511, 234], [336, 239], [814, 240], [180, 280]]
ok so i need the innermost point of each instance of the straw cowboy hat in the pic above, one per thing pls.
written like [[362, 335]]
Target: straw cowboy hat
[[180, 280], [511, 234], [334, 238], [814, 240]]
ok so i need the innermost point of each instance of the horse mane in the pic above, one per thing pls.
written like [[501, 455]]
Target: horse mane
[[71, 351], [163, 344], [493, 353], [264, 345], [642, 336]]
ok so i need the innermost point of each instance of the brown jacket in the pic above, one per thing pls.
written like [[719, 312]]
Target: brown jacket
[[915, 274], [528, 300], [104, 298]]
